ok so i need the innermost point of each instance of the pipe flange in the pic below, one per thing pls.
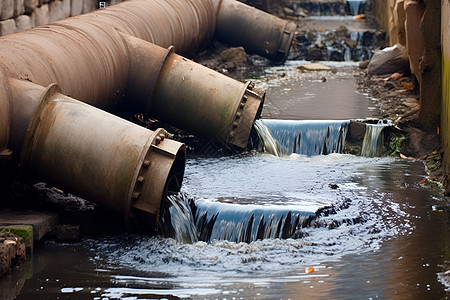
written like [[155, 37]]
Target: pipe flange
[[30, 136]]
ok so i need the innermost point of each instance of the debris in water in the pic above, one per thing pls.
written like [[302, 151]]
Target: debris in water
[[309, 270], [406, 157], [394, 76], [314, 67], [427, 179], [408, 85]]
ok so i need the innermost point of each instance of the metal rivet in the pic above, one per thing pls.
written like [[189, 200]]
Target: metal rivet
[[235, 124], [238, 115], [157, 140], [232, 134], [140, 179], [162, 136], [136, 195], [146, 163], [244, 98], [242, 104]]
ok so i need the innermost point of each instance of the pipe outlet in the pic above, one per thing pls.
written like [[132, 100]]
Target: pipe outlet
[[101, 157], [180, 92], [204, 102], [257, 31]]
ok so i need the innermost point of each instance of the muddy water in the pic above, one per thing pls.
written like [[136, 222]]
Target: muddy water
[[326, 95], [385, 237]]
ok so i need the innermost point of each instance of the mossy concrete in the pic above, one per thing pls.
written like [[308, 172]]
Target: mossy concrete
[[24, 231]]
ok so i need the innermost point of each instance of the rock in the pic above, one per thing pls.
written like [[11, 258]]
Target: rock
[[23, 231], [89, 5], [7, 11], [389, 60], [336, 55], [59, 10], [7, 27], [76, 8], [30, 5], [40, 15], [288, 11], [23, 22], [234, 55], [12, 250], [315, 54], [351, 43], [364, 64], [301, 12], [19, 7], [314, 67], [356, 132]]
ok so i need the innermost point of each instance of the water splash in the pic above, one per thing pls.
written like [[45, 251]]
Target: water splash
[[177, 219], [373, 140], [248, 223], [188, 220], [306, 137], [269, 143]]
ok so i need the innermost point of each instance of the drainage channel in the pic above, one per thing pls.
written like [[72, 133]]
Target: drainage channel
[[260, 226], [365, 225]]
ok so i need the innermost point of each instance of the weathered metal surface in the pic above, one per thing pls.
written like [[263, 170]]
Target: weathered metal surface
[[25, 100], [86, 56], [257, 31], [190, 96], [202, 101], [4, 112], [99, 156]]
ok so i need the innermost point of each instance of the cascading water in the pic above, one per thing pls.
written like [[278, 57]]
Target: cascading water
[[373, 140], [356, 7], [188, 220], [306, 137]]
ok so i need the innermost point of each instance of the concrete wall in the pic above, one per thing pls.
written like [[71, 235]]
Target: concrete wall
[[416, 25], [18, 15]]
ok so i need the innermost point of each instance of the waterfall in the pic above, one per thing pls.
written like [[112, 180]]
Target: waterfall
[[247, 223], [373, 140], [269, 143], [177, 219], [188, 220], [356, 7], [307, 137]]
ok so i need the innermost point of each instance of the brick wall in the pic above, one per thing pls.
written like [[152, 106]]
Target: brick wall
[[18, 15]]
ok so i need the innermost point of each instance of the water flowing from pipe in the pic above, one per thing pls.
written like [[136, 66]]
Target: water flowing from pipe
[[306, 137], [189, 220], [373, 140], [356, 6]]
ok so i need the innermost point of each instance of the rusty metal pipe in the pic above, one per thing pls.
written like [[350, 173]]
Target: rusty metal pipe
[[100, 157], [190, 96], [85, 55], [257, 31], [89, 59]]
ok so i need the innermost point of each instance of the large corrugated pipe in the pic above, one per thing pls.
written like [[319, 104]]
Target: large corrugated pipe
[[94, 154]]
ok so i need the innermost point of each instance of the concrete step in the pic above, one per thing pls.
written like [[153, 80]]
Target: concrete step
[[42, 222]]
